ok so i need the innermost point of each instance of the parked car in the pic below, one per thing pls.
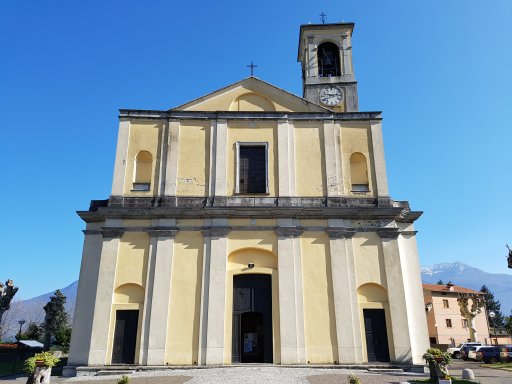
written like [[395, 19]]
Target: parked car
[[456, 351], [506, 353], [473, 350], [488, 354]]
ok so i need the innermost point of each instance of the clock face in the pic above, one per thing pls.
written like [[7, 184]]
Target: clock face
[[331, 96]]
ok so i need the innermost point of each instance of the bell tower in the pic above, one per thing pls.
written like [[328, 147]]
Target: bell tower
[[325, 53]]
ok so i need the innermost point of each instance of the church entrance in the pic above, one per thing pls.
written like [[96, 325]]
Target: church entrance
[[376, 335], [125, 337], [252, 319]]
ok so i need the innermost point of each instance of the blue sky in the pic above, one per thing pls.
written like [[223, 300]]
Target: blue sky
[[439, 70]]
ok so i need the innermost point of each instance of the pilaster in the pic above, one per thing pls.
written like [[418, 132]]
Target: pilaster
[[346, 307], [216, 301], [158, 292], [286, 160], [171, 173], [379, 162], [332, 164], [396, 294], [220, 150], [123, 136], [86, 296], [418, 329], [291, 305], [111, 234]]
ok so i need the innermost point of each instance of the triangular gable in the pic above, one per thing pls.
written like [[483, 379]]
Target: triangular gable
[[251, 94]]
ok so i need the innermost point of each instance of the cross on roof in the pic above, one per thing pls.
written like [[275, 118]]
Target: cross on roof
[[252, 66], [322, 17]]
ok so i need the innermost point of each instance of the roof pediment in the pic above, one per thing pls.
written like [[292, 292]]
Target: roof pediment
[[254, 95]]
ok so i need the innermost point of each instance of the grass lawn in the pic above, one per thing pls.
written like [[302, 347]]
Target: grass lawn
[[503, 366], [9, 367]]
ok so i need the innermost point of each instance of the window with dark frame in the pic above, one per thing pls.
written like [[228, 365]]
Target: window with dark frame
[[446, 304], [448, 323], [252, 171]]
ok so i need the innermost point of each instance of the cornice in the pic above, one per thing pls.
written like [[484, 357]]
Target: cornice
[[238, 115], [388, 233], [112, 232], [216, 232], [289, 231], [340, 232], [163, 232]]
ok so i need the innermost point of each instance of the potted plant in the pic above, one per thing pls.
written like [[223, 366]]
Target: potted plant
[[438, 362], [39, 367]]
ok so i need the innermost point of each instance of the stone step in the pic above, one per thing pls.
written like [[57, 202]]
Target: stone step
[[385, 370], [113, 372]]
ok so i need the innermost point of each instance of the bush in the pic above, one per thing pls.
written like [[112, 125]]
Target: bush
[[353, 379], [123, 380], [47, 357]]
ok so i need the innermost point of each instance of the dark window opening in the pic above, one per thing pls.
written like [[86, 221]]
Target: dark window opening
[[328, 60], [252, 169]]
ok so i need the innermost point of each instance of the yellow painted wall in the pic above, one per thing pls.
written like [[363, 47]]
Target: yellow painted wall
[[144, 136], [310, 176], [193, 158], [132, 259], [319, 316], [252, 132], [184, 309], [369, 259], [266, 240], [356, 137]]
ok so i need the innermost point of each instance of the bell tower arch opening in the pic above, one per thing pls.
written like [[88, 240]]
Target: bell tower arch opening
[[328, 60]]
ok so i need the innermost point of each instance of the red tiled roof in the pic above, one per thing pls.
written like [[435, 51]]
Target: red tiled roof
[[445, 288]]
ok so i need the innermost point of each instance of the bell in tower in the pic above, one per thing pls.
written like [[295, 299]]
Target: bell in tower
[[325, 52]]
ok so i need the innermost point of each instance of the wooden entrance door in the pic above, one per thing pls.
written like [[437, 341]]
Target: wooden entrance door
[[376, 335], [252, 319], [125, 337]]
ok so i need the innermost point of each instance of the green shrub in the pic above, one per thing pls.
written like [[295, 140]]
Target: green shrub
[[47, 357], [353, 379], [123, 380]]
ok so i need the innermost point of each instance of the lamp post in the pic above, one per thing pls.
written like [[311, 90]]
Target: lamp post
[[21, 322]]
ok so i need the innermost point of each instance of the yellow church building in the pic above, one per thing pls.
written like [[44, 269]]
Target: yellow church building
[[253, 226]]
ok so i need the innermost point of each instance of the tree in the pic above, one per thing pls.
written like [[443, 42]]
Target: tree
[[508, 324], [469, 313], [492, 305], [9, 323], [34, 332], [63, 338], [440, 282], [7, 292], [56, 317]]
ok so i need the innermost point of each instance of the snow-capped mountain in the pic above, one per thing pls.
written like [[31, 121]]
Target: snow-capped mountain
[[467, 276]]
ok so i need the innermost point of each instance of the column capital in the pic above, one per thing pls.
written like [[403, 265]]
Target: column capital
[[112, 232], [340, 232], [216, 231], [163, 231], [92, 232], [388, 233], [289, 231], [408, 233]]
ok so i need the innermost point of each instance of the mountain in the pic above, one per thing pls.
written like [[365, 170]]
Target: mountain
[[31, 310], [467, 276]]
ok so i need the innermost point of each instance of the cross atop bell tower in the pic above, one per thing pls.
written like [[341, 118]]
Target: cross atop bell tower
[[325, 53]]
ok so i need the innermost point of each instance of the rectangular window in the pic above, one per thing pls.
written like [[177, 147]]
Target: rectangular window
[[464, 323], [252, 168], [446, 304], [448, 323]]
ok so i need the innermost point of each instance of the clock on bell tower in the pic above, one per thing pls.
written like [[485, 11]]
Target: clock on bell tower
[[325, 52]]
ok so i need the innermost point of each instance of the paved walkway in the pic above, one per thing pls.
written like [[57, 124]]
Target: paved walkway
[[272, 375]]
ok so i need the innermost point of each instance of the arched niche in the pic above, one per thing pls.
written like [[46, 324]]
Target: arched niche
[[359, 172], [252, 102], [372, 293], [129, 294], [261, 258]]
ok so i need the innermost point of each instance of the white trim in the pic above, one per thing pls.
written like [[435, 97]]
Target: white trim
[[250, 144]]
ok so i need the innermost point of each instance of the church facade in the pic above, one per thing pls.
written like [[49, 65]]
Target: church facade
[[253, 226]]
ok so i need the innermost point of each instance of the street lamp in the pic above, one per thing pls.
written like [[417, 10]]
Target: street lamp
[[21, 322]]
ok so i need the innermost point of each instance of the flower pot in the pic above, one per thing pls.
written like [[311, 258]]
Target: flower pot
[[40, 363], [439, 359]]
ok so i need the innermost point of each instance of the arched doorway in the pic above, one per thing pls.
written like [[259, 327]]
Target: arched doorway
[[252, 319]]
